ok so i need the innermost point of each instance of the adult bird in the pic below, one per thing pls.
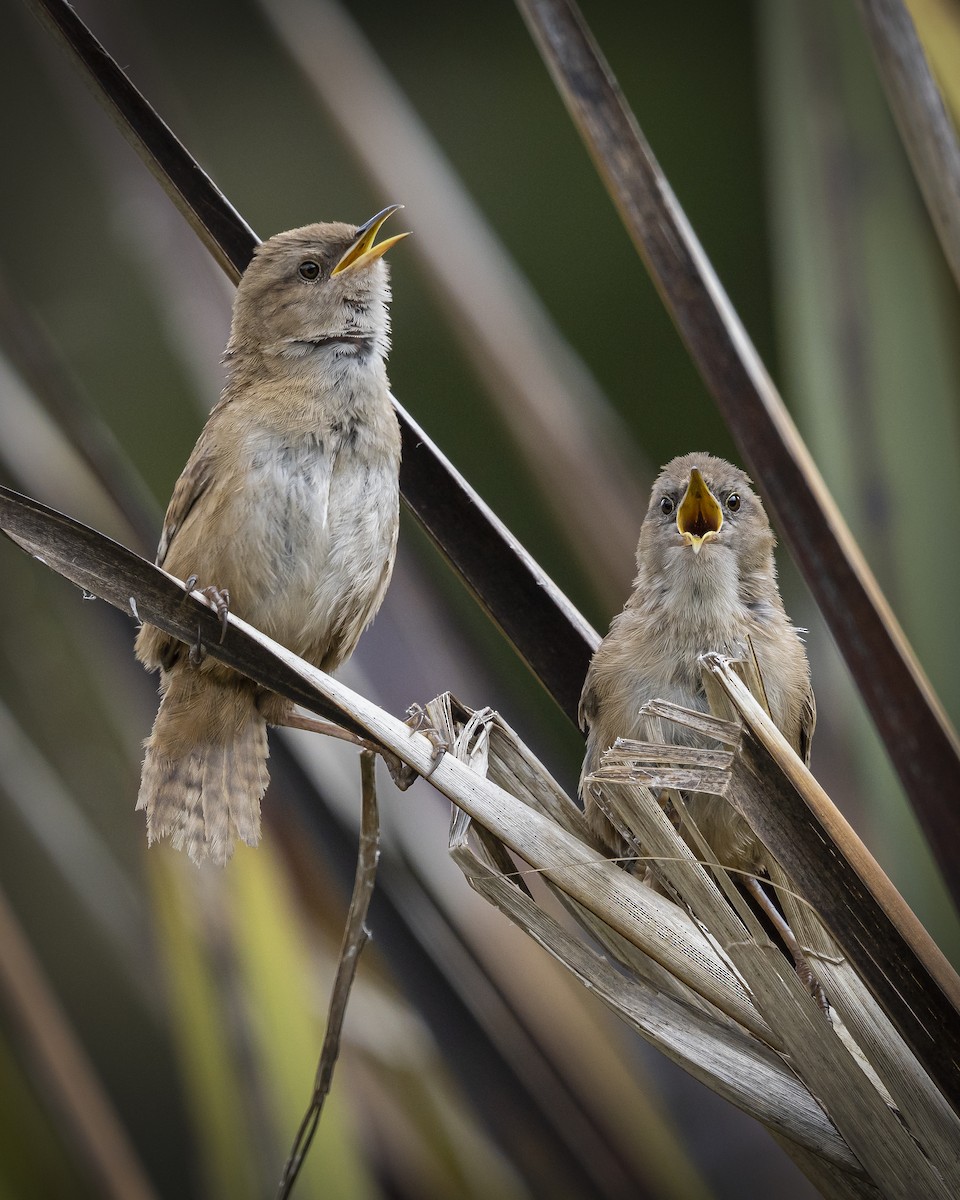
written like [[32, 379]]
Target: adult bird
[[287, 511]]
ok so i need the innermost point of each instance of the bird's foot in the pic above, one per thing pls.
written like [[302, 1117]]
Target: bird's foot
[[402, 774], [219, 599]]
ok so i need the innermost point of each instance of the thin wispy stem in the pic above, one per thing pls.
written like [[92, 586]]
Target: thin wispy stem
[[355, 937]]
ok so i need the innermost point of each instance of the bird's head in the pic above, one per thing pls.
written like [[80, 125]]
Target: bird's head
[[705, 517], [323, 285]]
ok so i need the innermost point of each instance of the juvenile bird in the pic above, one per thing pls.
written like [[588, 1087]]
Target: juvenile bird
[[287, 510], [706, 580]]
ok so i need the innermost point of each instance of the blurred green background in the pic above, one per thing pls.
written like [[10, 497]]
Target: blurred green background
[[199, 996]]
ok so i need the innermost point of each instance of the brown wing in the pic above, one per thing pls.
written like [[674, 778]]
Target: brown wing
[[196, 479], [155, 648], [587, 708]]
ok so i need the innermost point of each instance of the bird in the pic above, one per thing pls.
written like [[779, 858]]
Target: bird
[[706, 581], [287, 510]]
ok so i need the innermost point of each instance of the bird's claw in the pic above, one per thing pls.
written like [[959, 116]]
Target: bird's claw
[[196, 651], [402, 774], [219, 598], [417, 721]]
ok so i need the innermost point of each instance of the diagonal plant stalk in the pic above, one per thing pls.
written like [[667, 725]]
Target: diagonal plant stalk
[[916, 731], [893, 1105], [546, 630], [839, 879], [894, 1102]]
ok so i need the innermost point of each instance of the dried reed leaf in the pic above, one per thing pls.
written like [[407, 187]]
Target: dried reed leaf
[[695, 1034], [856, 1072], [860, 1110], [892, 1118], [834, 873], [881, 1050], [738, 1066]]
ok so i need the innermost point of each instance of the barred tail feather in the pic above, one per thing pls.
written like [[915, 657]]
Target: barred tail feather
[[205, 767]]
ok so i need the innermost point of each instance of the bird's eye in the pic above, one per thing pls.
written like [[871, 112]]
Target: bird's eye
[[733, 502], [667, 506], [308, 269]]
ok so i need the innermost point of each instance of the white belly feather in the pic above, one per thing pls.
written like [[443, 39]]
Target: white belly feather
[[321, 525]]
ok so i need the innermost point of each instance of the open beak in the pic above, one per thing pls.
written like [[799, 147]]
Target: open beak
[[361, 251], [699, 516]]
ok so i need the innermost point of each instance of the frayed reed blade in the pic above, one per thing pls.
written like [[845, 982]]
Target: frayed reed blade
[[839, 880], [846, 1095]]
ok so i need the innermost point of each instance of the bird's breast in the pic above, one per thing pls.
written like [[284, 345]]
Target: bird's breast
[[319, 533]]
